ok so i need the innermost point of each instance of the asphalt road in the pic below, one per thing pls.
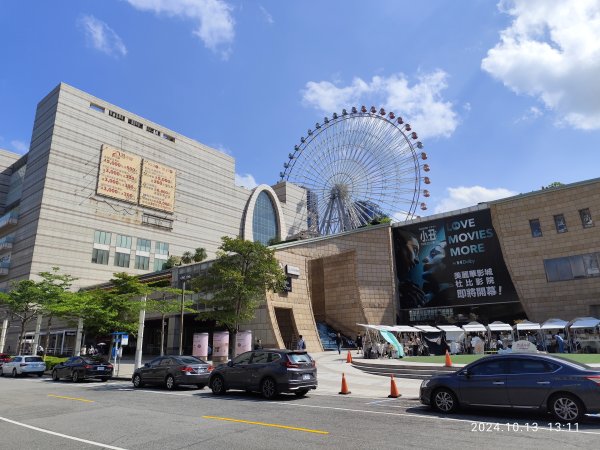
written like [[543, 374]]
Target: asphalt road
[[36, 413]]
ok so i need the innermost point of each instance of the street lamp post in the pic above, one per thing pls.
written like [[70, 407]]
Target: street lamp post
[[182, 278]]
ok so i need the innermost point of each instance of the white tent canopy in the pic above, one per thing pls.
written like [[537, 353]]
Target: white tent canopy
[[499, 326], [527, 326], [428, 328], [554, 324], [585, 322], [453, 333], [473, 327]]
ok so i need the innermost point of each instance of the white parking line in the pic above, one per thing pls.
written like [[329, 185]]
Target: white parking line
[[66, 436]]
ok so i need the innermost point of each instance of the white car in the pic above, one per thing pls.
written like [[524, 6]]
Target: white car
[[24, 365]]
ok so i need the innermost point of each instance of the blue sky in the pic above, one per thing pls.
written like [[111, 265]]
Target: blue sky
[[505, 96]]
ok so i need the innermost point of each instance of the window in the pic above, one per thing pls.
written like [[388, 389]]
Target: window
[[142, 262], [523, 366], [116, 115], [260, 358], [143, 245], [159, 264], [96, 107], [166, 362], [122, 259], [264, 219], [162, 248], [161, 253], [536, 227], [490, 368], [123, 241], [99, 256], [244, 358], [586, 218], [560, 223], [572, 267], [102, 237]]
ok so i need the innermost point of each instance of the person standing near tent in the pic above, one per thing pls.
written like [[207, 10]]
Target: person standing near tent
[[359, 343], [338, 342], [560, 343]]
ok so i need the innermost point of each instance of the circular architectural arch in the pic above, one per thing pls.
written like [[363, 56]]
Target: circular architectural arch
[[250, 214]]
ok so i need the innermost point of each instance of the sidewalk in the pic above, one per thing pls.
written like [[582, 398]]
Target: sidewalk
[[330, 367]]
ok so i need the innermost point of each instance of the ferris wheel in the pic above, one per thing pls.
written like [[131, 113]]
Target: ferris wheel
[[357, 167]]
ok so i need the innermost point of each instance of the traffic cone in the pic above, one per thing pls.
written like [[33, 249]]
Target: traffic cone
[[349, 357], [344, 390], [448, 360], [393, 389]]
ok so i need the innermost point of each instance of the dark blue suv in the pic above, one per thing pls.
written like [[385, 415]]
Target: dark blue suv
[[269, 372]]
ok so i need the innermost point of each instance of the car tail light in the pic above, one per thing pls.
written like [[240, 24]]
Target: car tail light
[[209, 368], [595, 379], [187, 369], [290, 365], [87, 366], [109, 366], [314, 363]]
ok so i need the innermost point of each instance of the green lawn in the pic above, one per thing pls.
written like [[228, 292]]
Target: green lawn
[[585, 358]]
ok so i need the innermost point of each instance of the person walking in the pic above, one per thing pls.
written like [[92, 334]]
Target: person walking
[[359, 343], [338, 343], [301, 345], [258, 345]]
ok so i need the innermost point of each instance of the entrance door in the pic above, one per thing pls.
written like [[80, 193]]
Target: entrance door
[[287, 326]]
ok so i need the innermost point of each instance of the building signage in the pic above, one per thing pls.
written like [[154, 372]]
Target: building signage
[[158, 186], [454, 261], [292, 270], [119, 175]]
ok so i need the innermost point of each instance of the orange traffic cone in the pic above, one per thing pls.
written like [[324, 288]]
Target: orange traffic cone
[[393, 389], [448, 360], [344, 390], [349, 357]]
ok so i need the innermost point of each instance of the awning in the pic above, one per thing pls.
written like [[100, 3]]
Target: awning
[[453, 333], [585, 322], [450, 328], [527, 326], [404, 329], [428, 328], [473, 327], [499, 326], [554, 324]]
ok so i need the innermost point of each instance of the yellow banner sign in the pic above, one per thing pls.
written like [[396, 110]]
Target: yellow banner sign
[[119, 175], [158, 186]]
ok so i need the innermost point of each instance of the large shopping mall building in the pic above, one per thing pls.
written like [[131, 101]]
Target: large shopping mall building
[[103, 190]]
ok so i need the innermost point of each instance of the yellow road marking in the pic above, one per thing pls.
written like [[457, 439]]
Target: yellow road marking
[[71, 398], [285, 427]]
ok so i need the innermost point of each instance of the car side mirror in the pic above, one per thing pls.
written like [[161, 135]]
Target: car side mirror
[[466, 373], [230, 363]]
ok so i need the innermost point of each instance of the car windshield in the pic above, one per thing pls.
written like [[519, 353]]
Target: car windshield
[[299, 357], [190, 360], [33, 359]]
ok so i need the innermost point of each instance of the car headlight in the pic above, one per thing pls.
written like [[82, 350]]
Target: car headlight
[[425, 383]]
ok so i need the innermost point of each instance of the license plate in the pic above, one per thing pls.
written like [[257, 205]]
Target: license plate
[[306, 376], [100, 369]]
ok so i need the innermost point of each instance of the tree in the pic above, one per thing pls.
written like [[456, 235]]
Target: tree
[[199, 254], [554, 184], [187, 257], [237, 281], [23, 302], [172, 261], [166, 306]]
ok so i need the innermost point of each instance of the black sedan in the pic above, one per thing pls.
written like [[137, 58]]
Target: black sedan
[[79, 368], [536, 382], [171, 371]]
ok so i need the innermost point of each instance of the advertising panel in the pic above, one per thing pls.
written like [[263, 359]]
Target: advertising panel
[[158, 186], [119, 174], [200, 345], [243, 342], [220, 344], [454, 261]]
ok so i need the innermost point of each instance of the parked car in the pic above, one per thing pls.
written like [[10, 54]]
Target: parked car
[[4, 357], [269, 372], [79, 368], [24, 365], [540, 382], [172, 371]]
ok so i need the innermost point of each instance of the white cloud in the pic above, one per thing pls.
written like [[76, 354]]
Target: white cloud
[[267, 15], [463, 197], [532, 113], [20, 146], [420, 104], [214, 23], [551, 51], [101, 37], [245, 180]]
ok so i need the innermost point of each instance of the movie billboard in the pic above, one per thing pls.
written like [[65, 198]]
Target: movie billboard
[[454, 261]]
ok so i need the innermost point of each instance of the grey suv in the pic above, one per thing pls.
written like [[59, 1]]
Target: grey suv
[[269, 372]]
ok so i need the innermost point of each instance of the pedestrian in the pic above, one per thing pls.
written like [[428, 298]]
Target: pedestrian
[[83, 350], [338, 343], [301, 345], [560, 343], [258, 345], [359, 343]]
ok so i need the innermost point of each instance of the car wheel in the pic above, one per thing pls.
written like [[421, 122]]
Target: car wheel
[[268, 388], [55, 375], [566, 408], [301, 392], [75, 377], [200, 386], [170, 382], [218, 385], [14, 373], [444, 401], [137, 381]]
